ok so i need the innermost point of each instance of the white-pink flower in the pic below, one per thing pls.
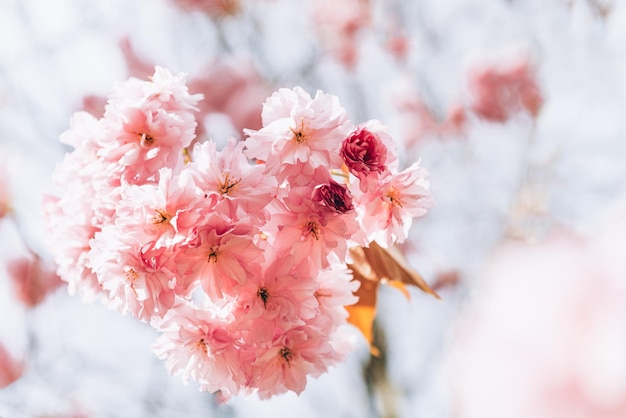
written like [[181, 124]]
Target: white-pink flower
[[69, 233], [162, 91], [197, 344], [217, 255], [298, 130], [288, 359], [133, 273], [387, 210], [281, 296], [240, 188], [142, 140]]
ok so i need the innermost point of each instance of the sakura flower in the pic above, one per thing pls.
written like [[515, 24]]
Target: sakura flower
[[307, 229], [335, 290], [196, 344], [163, 91], [240, 188], [369, 151], [285, 363], [69, 235], [387, 210], [280, 297], [163, 211], [133, 273], [218, 254], [298, 130], [142, 140]]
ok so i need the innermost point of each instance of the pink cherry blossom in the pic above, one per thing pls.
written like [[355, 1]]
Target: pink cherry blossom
[[69, 233], [306, 229], [142, 141], [335, 290], [164, 211], [298, 130], [163, 91], [240, 188], [387, 210], [196, 344], [133, 273], [368, 151], [285, 363], [218, 254], [280, 297]]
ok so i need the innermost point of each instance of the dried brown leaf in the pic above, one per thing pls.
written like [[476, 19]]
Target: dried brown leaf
[[362, 314], [372, 266]]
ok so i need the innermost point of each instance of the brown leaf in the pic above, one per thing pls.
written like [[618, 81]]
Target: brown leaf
[[372, 266], [362, 314], [387, 265]]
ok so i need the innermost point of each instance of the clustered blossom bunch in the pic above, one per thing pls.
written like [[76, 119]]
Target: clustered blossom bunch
[[237, 256]]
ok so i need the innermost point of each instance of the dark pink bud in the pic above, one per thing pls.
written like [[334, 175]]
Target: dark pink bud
[[364, 152], [334, 196]]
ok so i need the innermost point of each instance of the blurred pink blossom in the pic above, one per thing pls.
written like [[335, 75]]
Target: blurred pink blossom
[[234, 88], [10, 368], [32, 280], [338, 24], [545, 336], [418, 122], [499, 90]]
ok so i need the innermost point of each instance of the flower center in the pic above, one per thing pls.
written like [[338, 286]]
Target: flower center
[[161, 217], [300, 134], [287, 355], [132, 276], [212, 256], [145, 140], [312, 228], [228, 184], [264, 294], [393, 197], [202, 345]]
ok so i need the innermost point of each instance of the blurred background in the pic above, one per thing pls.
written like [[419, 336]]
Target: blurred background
[[515, 107]]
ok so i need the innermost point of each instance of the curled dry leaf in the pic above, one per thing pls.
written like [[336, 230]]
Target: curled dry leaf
[[374, 265]]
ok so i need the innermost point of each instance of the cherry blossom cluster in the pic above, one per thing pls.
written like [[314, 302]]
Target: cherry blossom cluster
[[237, 256]]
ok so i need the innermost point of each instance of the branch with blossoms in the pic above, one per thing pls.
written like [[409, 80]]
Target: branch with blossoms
[[238, 257]]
